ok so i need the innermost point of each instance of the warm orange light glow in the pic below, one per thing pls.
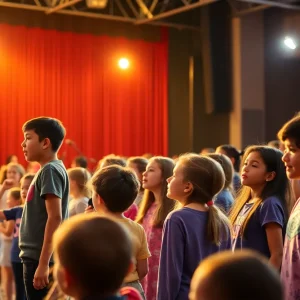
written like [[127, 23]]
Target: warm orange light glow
[[124, 63]]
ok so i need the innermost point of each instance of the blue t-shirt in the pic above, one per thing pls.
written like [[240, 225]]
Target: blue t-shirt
[[224, 201], [184, 245], [255, 237], [236, 181], [16, 215]]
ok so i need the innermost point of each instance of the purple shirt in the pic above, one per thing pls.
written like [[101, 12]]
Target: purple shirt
[[290, 271], [255, 237], [184, 245]]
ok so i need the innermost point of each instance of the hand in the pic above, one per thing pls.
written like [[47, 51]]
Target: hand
[[41, 277], [7, 184], [89, 209]]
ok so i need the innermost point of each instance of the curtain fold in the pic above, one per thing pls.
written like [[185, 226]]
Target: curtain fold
[[75, 77]]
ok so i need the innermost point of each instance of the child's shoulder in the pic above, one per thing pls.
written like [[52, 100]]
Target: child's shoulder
[[270, 206], [19, 208], [53, 166], [272, 200], [132, 225], [185, 213]]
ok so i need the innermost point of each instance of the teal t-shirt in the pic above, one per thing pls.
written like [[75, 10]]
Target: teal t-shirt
[[52, 178]]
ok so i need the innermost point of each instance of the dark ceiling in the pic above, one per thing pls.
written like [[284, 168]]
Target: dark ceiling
[[173, 13]]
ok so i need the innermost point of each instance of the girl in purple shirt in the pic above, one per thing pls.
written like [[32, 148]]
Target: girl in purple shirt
[[196, 230], [260, 212]]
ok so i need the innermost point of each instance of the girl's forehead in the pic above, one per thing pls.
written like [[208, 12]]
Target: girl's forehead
[[289, 142], [153, 164], [178, 167], [254, 155]]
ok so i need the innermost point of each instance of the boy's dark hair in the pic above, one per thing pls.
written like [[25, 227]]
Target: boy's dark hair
[[291, 130], [46, 127], [96, 251], [117, 186], [81, 161], [234, 276]]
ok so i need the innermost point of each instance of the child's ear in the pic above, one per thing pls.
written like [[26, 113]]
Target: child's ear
[[99, 204], [46, 143], [65, 281], [188, 187], [99, 200], [271, 176]]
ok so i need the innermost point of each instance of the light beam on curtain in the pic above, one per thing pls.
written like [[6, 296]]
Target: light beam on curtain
[[75, 77]]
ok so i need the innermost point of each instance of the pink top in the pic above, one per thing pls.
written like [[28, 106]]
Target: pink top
[[131, 212], [290, 270], [130, 293], [154, 239]]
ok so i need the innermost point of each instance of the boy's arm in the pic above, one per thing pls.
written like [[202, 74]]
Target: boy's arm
[[142, 257], [142, 268], [54, 211]]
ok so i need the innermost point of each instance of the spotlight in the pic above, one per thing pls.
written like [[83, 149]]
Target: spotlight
[[290, 43], [124, 63], [96, 3]]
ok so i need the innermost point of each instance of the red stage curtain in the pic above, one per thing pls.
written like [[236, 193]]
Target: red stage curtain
[[75, 77]]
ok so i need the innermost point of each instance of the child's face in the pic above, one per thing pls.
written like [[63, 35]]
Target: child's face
[[32, 147], [11, 201], [13, 174], [152, 177], [177, 188], [291, 159], [24, 188], [254, 171]]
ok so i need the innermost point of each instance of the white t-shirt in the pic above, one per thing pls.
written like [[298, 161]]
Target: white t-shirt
[[77, 206]]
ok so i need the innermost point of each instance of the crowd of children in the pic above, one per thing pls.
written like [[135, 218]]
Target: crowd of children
[[138, 227]]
